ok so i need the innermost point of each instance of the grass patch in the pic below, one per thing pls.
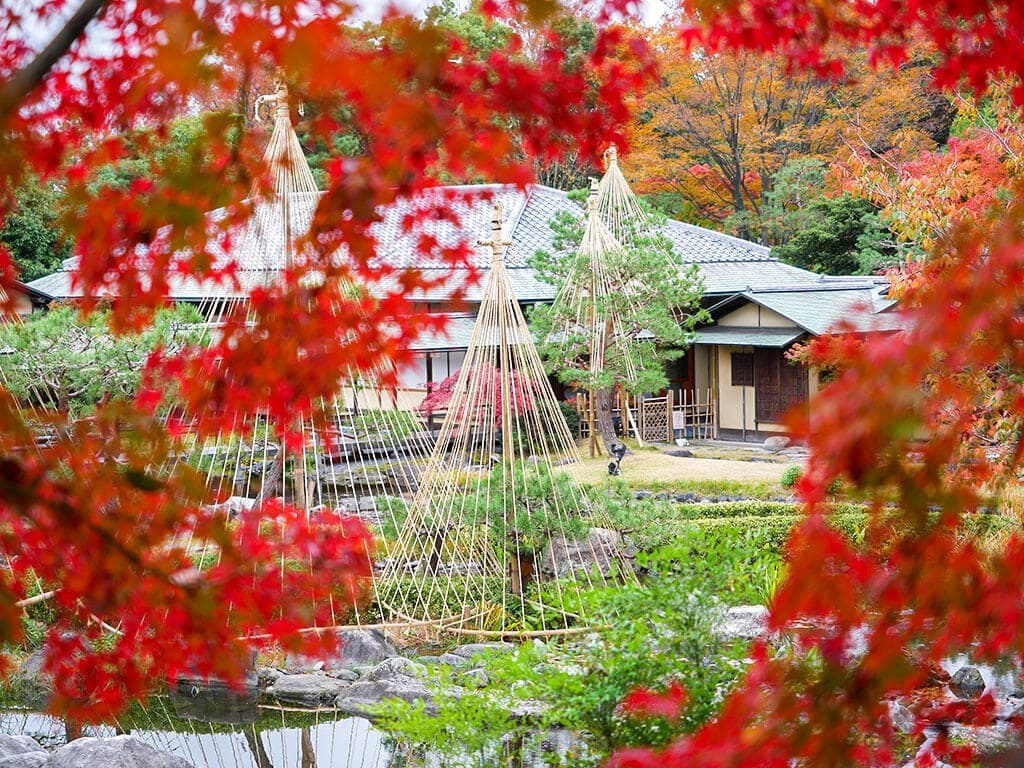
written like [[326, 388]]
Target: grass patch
[[747, 489], [645, 469]]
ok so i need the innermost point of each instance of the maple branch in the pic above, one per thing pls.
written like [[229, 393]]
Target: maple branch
[[26, 79]]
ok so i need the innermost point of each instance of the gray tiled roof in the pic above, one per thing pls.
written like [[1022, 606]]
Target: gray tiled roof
[[738, 336], [727, 277], [831, 307], [828, 304], [697, 245], [456, 335], [728, 264]]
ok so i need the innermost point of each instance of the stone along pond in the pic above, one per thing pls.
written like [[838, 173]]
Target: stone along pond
[[309, 715], [309, 740]]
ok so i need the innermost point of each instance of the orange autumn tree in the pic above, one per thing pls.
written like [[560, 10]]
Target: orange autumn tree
[[870, 622], [89, 516], [713, 132], [924, 194]]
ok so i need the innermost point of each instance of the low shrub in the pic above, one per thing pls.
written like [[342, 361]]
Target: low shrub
[[653, 523], [791, 476], [660, 632], [745, 489], [771, 532]]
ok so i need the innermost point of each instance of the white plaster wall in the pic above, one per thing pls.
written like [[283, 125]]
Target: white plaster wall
[[754, 316], [415, 373]]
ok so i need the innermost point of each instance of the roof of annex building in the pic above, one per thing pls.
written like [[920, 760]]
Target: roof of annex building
[[828, 304], [727, 264]]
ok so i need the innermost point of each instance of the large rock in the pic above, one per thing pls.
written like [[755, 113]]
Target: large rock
[[21, 752], [113, 752], [397, 665], [11, 746], [357, 648], [26, 760], [967, 683], [359, 697], [472, 650], [33, 686], [744, 622], [776, 443], [308, 691], [453, 660], [599, 553], [902, 718]]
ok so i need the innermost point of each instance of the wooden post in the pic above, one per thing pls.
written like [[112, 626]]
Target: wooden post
[[668, 407]]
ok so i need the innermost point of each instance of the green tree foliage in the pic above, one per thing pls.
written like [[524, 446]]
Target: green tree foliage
[[659, 633], [656, 302], [61, 360], [31, 233], [835, 235], [483, 35], [843, 236], [479, 32], [172, 153]]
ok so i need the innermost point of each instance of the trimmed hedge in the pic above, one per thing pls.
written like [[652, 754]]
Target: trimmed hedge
[[772, 531], [754, 508]]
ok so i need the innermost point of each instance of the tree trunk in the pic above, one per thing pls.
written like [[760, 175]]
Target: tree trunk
[[271, 478], [603, 417], [259, 752], [308, 755]]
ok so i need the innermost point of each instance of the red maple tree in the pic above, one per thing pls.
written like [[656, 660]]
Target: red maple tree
[[425, 102], [900, 425], [88, 517]]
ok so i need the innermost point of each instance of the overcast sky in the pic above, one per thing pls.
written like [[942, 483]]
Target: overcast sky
[[38, 32]]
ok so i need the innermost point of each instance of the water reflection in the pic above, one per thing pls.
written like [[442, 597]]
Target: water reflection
[[307, 740]]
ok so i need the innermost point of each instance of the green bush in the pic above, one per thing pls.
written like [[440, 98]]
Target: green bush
[[770, 533], [653, 523], [658, 632], [745, 489], [791, 476], [525, 506], [394, 510], [572, 417], [734, 564]]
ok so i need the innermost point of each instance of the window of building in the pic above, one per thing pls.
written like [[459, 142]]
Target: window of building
[[780, 385], [742, 369]]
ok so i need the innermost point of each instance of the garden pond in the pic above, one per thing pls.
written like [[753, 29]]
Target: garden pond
[[297, 740]]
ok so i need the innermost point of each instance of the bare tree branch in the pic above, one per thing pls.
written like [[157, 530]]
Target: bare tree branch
[[28, 78]]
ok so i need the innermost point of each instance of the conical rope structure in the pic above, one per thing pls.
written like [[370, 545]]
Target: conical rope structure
[[499, 540], [617, 206], [369, 458], [490, 536], [594, 312], [366, 460]]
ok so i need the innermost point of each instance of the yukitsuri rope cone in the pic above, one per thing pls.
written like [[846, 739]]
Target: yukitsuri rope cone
[[617, 206], [498, 540], [595, 309], [378, 445]]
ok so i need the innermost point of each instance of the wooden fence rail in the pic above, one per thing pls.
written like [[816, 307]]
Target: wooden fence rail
[[678, 414]]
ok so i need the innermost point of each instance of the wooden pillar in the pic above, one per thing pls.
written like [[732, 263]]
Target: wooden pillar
[[668, 407]]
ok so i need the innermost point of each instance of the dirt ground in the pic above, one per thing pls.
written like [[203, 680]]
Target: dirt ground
[[660, 467]]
